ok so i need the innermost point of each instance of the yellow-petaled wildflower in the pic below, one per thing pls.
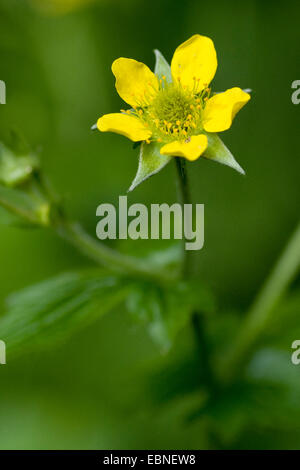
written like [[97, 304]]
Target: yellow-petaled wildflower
[[178, 113]]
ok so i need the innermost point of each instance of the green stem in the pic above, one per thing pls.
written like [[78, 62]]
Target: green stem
[[101, 254], [261, 311], [97, 251], [197, 319], [185, 198], [203, 348]]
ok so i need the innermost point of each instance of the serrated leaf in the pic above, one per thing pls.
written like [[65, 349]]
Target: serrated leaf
[[218, 152], [150, 163], [52, 309], [162, 68]]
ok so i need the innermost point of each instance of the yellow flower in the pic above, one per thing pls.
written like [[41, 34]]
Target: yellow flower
[[176, 113]]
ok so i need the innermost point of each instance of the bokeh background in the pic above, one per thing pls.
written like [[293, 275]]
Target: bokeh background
[[105, 387]]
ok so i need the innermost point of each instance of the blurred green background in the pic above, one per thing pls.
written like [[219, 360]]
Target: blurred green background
[[104, 388]]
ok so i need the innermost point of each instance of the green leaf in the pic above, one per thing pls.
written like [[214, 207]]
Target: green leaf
[[15, 170], [51, 310], [150, 163], [34, 210], [162, 68], [177, 376], [218, 152], [170, 257], [21, 194], [166, 310], [7, 218]]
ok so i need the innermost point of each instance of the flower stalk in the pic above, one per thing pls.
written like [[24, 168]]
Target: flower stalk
[[261, 311], [197, 320], [184, 196]]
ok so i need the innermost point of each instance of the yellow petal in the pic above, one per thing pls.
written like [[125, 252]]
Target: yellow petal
[[129, 126], [191, 149], [195, 61], [135, 82], [221, 109]]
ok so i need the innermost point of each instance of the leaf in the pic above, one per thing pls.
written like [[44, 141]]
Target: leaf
[[21, 194], [274, 366], [7, 218], [162, 68], [176, 377], [168, 257], [150, 163], [15, 170], [166, 310], [274, 369], [34, 210], [218, 152], [52, 309]]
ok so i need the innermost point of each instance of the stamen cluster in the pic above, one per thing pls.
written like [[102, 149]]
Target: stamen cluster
[[173, 112]]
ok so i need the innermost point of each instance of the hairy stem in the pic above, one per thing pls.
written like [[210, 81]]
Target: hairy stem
[[261, 311]]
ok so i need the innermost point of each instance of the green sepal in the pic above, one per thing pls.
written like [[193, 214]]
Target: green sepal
[[150, 159], [150, 162], [162, 68], [218, 152]]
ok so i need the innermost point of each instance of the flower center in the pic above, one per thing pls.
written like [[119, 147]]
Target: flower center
[[172, 105], [174, 113]]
